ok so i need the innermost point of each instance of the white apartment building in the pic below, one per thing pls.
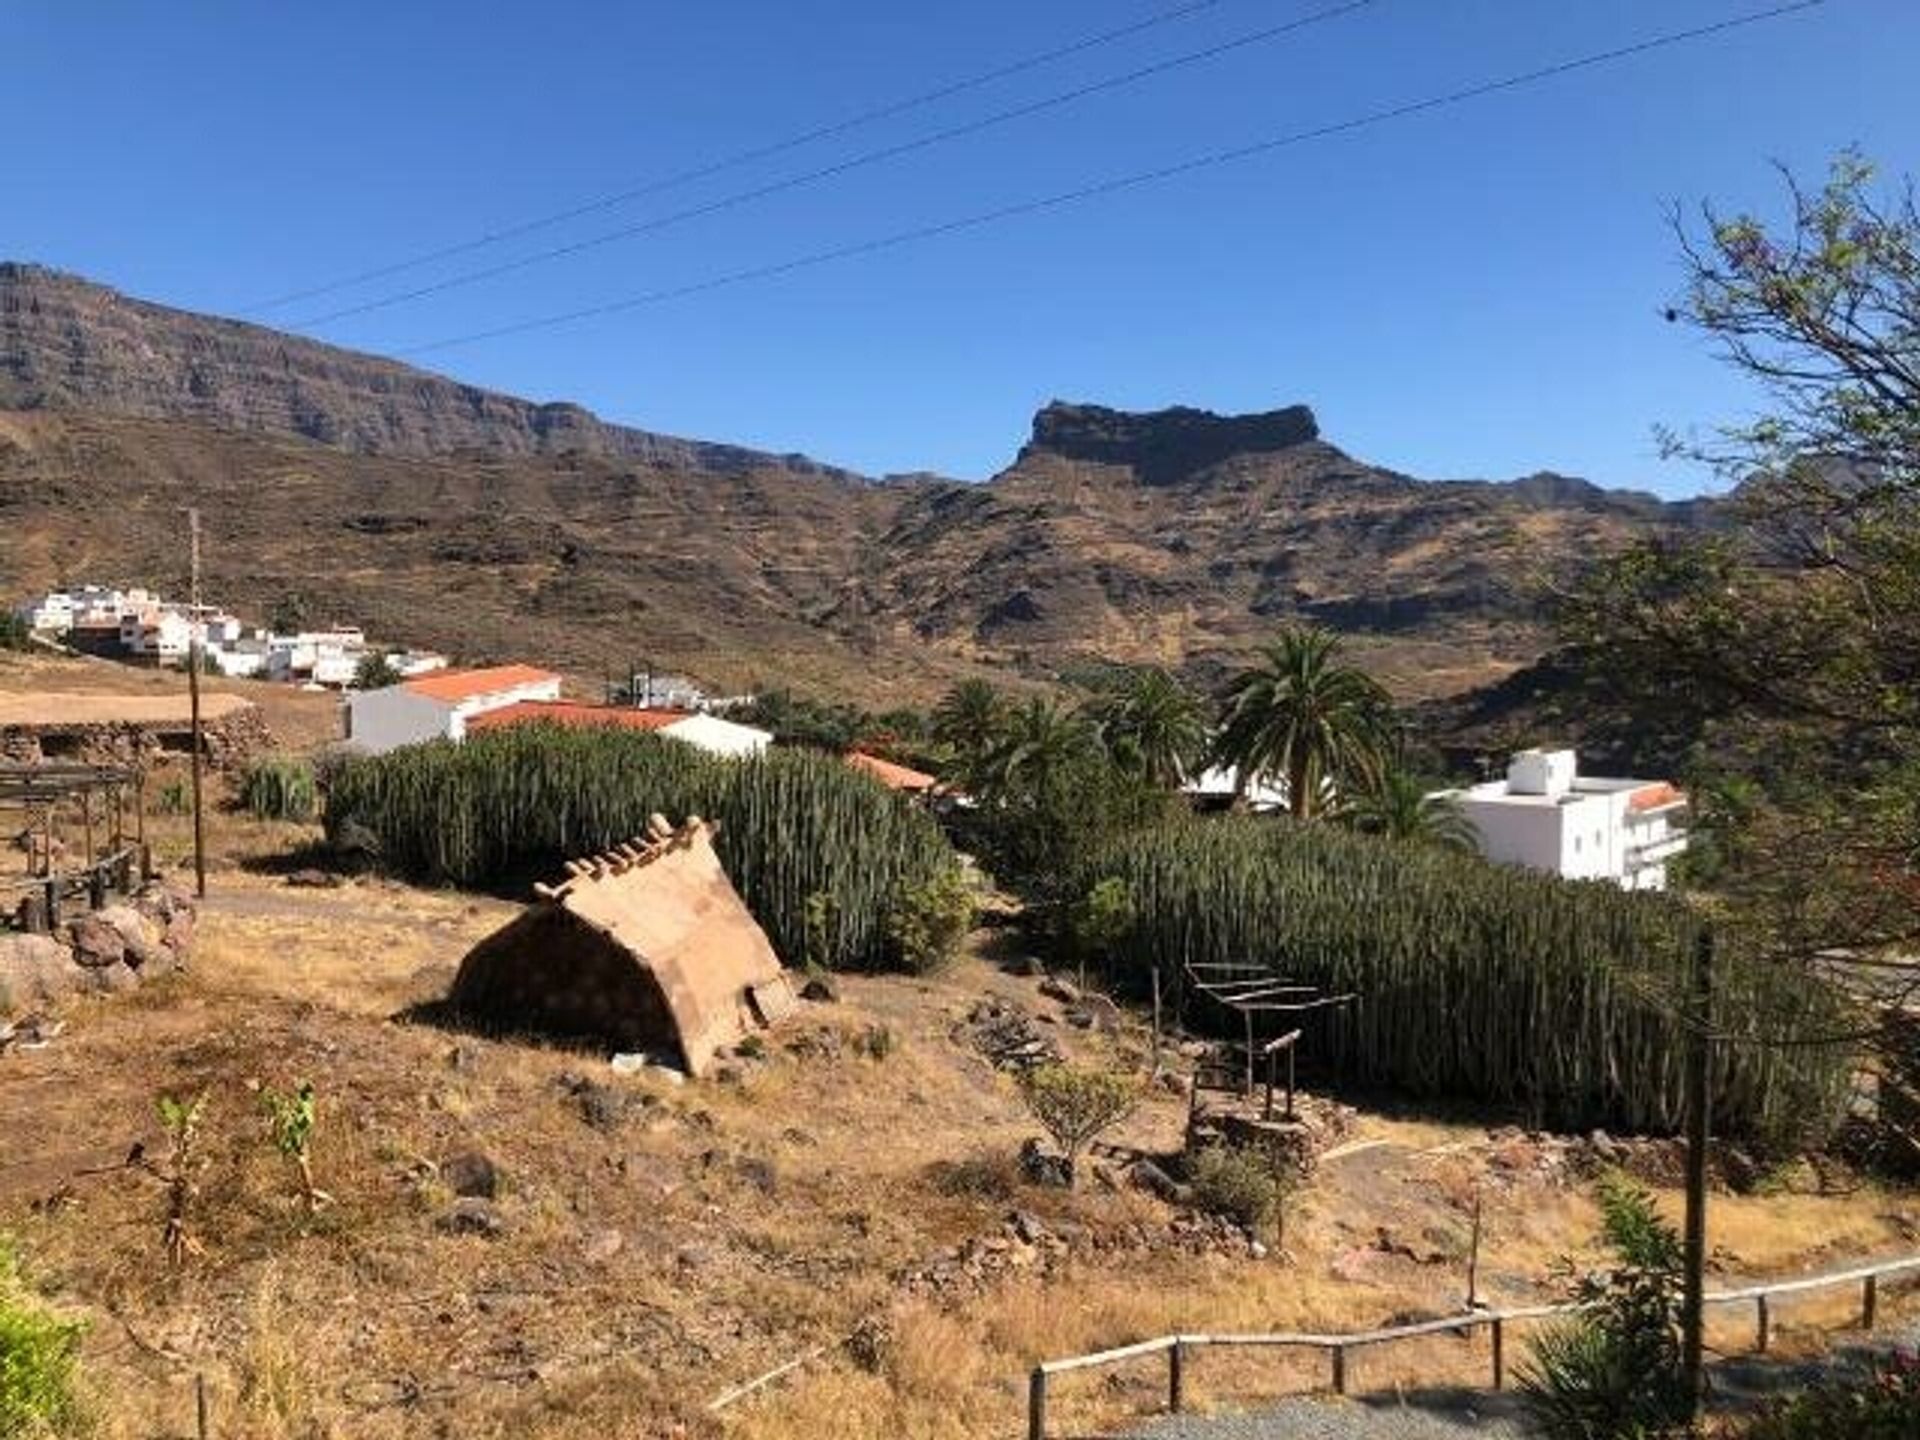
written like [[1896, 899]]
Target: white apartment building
[[1547, 816], [439, 704]]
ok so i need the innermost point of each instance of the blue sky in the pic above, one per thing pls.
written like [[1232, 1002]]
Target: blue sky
[[1474, 291]]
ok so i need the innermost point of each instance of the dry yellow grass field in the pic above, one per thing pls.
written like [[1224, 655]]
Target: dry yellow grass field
[[660, 1244]]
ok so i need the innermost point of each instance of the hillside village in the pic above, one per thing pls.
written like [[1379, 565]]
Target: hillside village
[[1178, 915]]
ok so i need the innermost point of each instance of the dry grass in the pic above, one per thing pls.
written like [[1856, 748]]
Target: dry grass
[[714, 1232]]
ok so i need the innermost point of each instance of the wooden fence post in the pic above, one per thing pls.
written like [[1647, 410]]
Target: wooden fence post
[[1764, 1324], [1176, 1377], [1869, 1301], [1037, 1404], [1499, 1354], [1339, 1369], [200, 1405]]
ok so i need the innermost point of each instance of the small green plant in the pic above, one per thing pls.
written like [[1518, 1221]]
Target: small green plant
[[280, 788], [819, 923], [14, 632], [290, 1122], [181, 1121], [1613, 1372], [929, 918], [876, 1042], [1244, 1185], [1879, 1403], [173, 798], [1076, 1105], [39, 1360], [1104, 914]]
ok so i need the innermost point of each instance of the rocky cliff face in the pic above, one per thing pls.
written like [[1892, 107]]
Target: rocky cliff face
[[67, 344], [441, 514], [1164, 446]]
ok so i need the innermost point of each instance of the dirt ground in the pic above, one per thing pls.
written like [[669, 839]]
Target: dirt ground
[[652, 1245], [301, 720]]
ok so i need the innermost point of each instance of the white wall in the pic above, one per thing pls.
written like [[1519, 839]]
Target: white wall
[[1515, 834], [383, 720], [719, 737]]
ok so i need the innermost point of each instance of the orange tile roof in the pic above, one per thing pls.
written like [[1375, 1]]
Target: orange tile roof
[[465, 684], [894, 777], [1652, 797], [561, 712]]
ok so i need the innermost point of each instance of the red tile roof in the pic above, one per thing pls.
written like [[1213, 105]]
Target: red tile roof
[[1652, 797], [456, 685], [561, 712], [894, 777]]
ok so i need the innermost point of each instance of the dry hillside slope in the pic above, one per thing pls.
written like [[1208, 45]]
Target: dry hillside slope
[[440, 514]]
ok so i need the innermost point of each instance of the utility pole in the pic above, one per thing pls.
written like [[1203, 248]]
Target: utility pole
[[195, 629], [1699, 1120]]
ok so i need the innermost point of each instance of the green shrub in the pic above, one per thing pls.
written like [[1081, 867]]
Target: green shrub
[[1879, 1403], [1239, 1183], [280, 788], [14, 633], [39, 1362], [173, 798], [928, 918], [1076, 1105], [818, 851], [1474, 980], [1613, 1371]]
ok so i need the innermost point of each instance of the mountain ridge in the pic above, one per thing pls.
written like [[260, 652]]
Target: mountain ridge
[[492, 526]]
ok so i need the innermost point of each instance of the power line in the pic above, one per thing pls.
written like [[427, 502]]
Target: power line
[[745, 157], [1115, 185], [842, 167]]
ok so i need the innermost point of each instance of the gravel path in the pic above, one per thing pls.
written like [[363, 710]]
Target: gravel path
[[1439, 1415], [1443, 1414]]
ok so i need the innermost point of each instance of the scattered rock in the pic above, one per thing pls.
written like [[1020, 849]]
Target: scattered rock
[[600, 1106], [1038, 1167], [471, 1216], [463, 1058], [1054, 988], [1006, 1035], [471, 1175], [820, 988], [96, 944], [1095, 1012], [604, 1246], [1150, 1177], [629, 1063], [1026, 1226], [316, 880]]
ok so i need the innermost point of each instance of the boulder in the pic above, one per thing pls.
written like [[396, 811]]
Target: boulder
[[143, 936], [35, 970], [1054, 988], [96, 944], [470, 1175], [470, 1216]]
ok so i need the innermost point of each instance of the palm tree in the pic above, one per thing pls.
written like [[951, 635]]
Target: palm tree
[[1152, 726], [1034, 743], [1398, 805], [968, 720], [1301, 715]]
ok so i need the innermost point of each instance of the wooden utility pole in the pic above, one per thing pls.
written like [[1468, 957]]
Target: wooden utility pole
[[1699, 1120], [196, 628]]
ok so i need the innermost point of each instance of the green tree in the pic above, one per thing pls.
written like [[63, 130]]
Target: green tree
[[1301, 715], [374, 672], [14, 633], [1033, 743], [1782, 647], [968, 721], [1075, 1105], [1152, 726], [1400, 805]]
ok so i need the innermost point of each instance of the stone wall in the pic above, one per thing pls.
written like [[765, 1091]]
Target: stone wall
[[102, 952], [229, 741]]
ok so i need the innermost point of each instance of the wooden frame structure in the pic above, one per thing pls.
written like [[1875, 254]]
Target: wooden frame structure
[[1252, 991], [93, 803]]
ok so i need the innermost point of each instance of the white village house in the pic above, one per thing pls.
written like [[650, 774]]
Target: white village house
[[438, 704], [1547, 816], [726, 738]]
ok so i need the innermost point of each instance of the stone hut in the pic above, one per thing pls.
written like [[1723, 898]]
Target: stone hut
[[137, 730], [647, 947]]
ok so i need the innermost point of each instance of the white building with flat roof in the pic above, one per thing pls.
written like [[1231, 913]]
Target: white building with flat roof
[[1547, 816], [438, 704]]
